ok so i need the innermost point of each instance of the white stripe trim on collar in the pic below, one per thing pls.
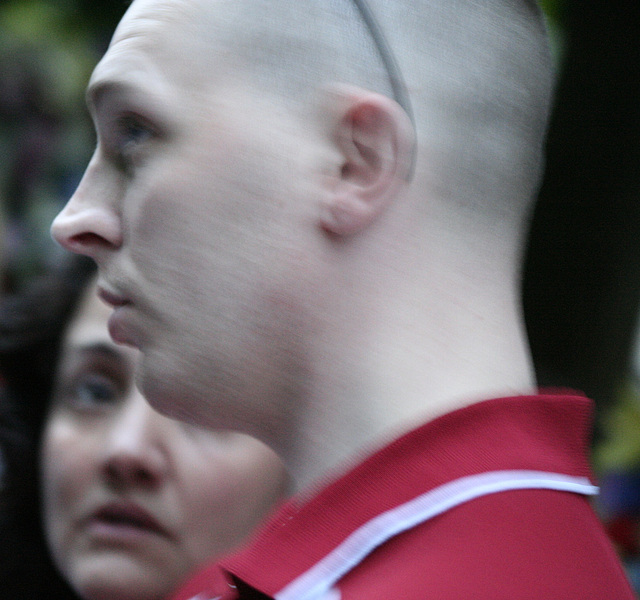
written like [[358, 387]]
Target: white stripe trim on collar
[[324, 574]]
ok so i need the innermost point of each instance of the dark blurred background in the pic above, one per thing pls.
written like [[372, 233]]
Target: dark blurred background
[[582, 272], [582, 278], [47, 51]]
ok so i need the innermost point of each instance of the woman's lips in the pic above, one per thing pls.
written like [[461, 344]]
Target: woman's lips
[[119, 521]]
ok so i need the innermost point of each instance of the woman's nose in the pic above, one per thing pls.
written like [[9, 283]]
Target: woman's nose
[[136, 446]]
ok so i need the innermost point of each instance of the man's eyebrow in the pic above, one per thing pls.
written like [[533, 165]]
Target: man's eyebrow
[[98, 90]]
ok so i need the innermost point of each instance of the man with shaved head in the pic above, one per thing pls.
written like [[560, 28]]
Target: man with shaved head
[[309, 217]]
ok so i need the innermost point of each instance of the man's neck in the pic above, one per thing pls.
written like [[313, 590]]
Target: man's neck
[[400, 382]]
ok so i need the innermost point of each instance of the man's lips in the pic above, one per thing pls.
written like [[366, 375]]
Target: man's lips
[[119, 328], [113, 300], [121, 518]]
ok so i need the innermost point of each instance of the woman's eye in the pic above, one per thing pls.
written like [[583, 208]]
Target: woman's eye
[[93, 391]]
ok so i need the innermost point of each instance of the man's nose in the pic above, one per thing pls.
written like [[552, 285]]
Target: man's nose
[[90, 224]]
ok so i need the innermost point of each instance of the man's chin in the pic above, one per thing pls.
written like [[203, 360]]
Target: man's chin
[[164, 393], [154, 389]]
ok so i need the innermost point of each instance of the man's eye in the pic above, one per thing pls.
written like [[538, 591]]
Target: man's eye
[[132, 133]]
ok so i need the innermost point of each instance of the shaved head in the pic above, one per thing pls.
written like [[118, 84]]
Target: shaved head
[[252, 169], [479, 76]]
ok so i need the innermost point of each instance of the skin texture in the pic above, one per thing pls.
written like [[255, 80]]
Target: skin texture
[[158, 132], [194, 188], [268, 254], [134, 501]]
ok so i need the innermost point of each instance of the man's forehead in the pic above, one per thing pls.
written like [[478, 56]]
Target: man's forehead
[[143, 44], [170, 39], [146, 22], [120, 69], [145, 16]]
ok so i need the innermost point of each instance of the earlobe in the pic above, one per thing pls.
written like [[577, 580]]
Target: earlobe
[[374, 137]]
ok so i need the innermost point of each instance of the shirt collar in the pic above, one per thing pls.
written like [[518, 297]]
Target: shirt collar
[[525, 441]]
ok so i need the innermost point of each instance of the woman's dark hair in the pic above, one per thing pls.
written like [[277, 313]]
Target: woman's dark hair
[[32, 325]]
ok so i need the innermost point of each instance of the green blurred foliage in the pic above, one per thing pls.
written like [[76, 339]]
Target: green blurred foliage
[[553, 9], [554, 12], [47, 51]]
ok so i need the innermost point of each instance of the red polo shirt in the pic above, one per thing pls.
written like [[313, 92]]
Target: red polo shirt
[[487, 502]]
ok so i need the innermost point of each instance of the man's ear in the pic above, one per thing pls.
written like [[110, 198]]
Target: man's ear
[[375, 140]]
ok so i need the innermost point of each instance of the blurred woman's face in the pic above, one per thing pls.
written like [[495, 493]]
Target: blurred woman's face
[[134, 501]]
